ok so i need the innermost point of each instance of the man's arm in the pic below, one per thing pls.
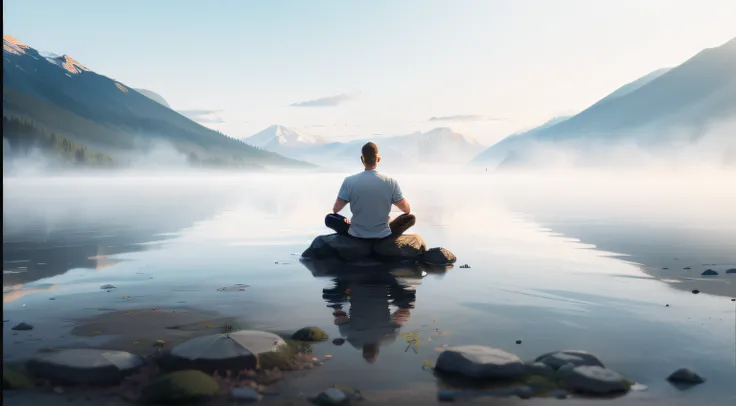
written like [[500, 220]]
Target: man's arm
[[339, 205], [403, 205], [399, 200]]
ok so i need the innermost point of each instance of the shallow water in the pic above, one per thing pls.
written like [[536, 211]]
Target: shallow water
[[557, 262]]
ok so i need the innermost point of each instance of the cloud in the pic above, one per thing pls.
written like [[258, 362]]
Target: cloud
[[465, 117], [203, 116], [328, 101]]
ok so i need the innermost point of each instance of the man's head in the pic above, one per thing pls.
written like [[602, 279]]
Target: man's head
[[370, 352], [369, 155]]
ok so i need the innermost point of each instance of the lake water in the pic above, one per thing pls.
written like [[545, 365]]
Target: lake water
[[558, 262]]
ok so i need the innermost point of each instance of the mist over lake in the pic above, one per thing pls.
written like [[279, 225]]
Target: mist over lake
[[557, 262]]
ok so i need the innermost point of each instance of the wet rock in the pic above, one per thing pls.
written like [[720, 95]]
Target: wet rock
[[518, 341], [245, 395], [13, 379], [410, 247], [595, 380], [85, 366], [465, 266], [695, 291], [475, 361], [524, 392], [558, 394], [310, 334], [235, 351], [331, 396], [338, 341], [731, 270], [438, 256], [685, 376], [559, 358], [687, 268], [539, 368], [709, 272], [181, 387], [339, 246], [565, 369], [106, 287], [22, 327]]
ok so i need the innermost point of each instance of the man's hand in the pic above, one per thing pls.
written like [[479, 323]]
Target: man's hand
[[347, 220]]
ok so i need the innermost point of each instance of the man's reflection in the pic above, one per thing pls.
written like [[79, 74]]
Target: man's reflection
[[369, 321]]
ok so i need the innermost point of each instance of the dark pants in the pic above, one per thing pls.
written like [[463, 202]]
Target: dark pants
[[398, 225]]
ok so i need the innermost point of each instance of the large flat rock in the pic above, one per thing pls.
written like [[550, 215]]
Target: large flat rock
[[339, 246], [405, 247], [85, 366], [479, 362]]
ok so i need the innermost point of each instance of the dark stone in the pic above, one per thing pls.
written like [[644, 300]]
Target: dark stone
[[687, 268], [518, 341], [406, 247], [595, 380], [105, 287], [85, 366], [23, 327], [339, 246], [338, 341], [479, 362], [465, 266], [695, 291], [731, 270], [438, 256], [709, 272], [686, 376], [181, 387]]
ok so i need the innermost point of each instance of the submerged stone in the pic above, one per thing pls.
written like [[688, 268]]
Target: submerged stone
[[85, 366], [595, 380], [479, 362], [181, 387], [310, 334], [685, 375]]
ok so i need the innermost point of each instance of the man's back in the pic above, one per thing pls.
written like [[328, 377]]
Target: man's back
[[370, 195]]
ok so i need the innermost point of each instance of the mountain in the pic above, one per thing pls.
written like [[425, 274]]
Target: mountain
[[276, 137], [437, 146], [153, 96], [64, 96], [689, 108]]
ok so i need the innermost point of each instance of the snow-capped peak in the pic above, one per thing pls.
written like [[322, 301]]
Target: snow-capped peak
[[283, 137], [12, 45]]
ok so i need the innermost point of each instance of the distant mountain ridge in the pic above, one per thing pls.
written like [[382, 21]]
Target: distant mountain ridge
[[666, 110], [437, 146], [60, 93]]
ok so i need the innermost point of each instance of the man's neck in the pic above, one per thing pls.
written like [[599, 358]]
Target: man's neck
[[371, 168]]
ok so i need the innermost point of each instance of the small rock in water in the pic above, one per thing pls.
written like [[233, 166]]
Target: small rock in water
[[475, 361], [331, 396], [560, 358], [695, 291], [106, 287], [558, 394], [23, 327], [709, 272], [666, 305], [540, 368], [238, 287], [665, 268], [731, 270], [338, 341], [465, 266], [565, 369], [310, 334], [518, 341], [245, 394], [733, 300], [685, 375], [687, 268]]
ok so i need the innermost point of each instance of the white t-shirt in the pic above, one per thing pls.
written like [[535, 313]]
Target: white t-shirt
[[370, 195]]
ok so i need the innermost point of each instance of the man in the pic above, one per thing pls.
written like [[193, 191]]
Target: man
[[370, 195]]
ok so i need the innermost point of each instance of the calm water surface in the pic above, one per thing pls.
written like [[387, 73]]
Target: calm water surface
[[559, 263]]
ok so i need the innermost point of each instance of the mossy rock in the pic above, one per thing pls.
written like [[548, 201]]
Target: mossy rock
[[13, 379], [181, 387], [310, 334], [282, 360]]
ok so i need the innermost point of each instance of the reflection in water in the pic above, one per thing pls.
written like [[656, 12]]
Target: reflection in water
[[380, 299]]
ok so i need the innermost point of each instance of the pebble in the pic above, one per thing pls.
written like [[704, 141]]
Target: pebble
[[465, 266], [524, 392], [709, 272], [695, 291], [558, 394], [108, 287], [338, 341], [245, 394], [518, 341], [332, 396], [23, 327], [667, 305]]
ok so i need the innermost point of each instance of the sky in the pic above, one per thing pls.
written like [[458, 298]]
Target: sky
[[366, 69]]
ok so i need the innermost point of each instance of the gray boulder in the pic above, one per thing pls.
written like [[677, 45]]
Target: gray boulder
[[85, 366], [182, 387], [539, 368], [438, 256], [557, 359], [339, 246], [479, 362], [409, 247], [595, 380]]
